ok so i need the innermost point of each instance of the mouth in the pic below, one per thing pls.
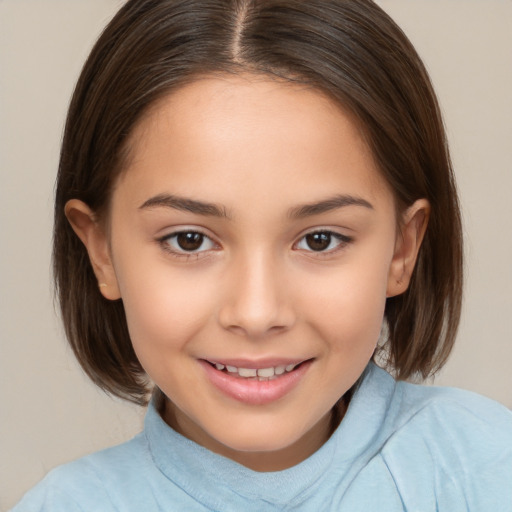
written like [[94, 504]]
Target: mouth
[[260, 374], [254, 383]]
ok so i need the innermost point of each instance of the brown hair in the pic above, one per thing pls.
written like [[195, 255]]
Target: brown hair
[[348, 49]]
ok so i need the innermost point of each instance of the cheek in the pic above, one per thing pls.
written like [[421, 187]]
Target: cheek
[[348, 307], [164, 309]]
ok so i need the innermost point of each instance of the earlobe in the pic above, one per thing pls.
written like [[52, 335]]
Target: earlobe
[[412, 230], [93, 236]]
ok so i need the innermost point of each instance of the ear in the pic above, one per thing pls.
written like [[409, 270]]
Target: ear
[[92, 233], [412, 229]]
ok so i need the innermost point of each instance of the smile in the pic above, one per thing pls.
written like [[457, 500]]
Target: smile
[[261, 374], [268, 383]]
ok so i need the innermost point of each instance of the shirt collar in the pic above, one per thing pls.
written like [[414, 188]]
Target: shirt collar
[[215, 480]]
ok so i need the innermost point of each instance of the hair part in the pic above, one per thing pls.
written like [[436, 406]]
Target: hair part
[[348, 49]]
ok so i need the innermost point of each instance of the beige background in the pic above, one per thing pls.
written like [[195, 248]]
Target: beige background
[[50, 413]]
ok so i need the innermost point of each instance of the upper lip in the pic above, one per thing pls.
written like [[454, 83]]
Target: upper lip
[[256, 364]]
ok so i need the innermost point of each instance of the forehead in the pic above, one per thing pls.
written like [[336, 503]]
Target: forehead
[[251, 130]]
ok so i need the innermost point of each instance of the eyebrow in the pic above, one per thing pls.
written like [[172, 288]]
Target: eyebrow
[[185, 204], [211, 209], [331, 203]]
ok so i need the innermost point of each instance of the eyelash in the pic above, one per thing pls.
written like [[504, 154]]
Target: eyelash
[[165, 243], [341, 242]]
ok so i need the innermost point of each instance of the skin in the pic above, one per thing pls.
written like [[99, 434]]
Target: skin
[[254, 290]]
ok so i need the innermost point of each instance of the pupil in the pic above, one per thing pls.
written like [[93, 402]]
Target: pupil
[[318, 241], [190, 241]]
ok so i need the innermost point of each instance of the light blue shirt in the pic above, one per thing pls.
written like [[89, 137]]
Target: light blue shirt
[[399, 447]]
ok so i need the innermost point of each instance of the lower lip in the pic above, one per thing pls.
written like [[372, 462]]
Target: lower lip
[[255, 392]]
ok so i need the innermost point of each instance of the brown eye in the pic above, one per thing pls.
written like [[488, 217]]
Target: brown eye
[[318, 241], [189, 241], [323, 241]]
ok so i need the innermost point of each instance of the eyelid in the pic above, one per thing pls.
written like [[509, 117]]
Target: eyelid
[[163, 241], [343, 240]]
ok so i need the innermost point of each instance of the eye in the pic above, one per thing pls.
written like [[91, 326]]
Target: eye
[[187, 242], [322, 241]]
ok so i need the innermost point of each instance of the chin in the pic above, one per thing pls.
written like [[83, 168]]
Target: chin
[[264, 437], [259, 444]]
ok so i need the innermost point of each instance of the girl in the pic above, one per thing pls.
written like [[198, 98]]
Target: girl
[[254, 203]]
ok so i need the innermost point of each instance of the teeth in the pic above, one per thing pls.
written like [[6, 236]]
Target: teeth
[[265, 372], [247, 372], [261, 373]]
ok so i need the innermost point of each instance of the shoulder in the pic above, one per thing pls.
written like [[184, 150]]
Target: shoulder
[[449, 409], [426, 448], [89, 483], [458, 424], [66, 488], [460, 442], [404, 404]]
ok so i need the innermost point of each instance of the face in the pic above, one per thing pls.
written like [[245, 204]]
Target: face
[[253, 243]]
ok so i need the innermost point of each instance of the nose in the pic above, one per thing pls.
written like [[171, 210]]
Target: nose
[[256, 301]]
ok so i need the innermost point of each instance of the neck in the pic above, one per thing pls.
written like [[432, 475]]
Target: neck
[[266, 461]]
